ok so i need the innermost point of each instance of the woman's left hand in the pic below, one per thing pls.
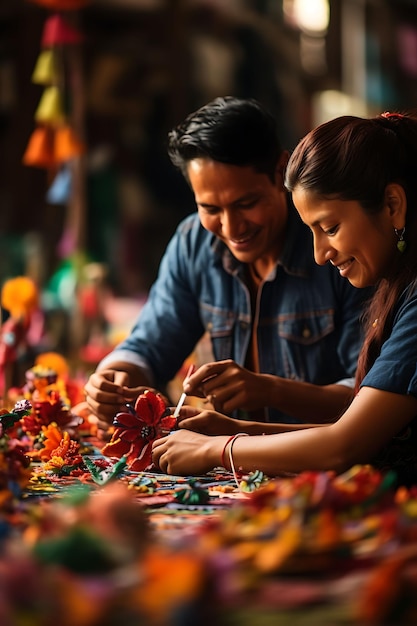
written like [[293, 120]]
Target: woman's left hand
[[187, 453], [208, 422]]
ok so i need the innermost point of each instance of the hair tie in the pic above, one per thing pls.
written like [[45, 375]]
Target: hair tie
[[389, 115]]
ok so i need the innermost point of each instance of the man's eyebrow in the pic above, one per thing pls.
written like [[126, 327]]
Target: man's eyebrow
[[248, 196]]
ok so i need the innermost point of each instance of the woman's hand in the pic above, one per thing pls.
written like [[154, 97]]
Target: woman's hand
[[228, 386], [208, 422], [186, 453]]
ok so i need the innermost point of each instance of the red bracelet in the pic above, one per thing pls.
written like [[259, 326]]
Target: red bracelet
[[224, 450]]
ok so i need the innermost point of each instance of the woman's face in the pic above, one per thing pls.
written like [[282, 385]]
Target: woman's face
[[361, 246]]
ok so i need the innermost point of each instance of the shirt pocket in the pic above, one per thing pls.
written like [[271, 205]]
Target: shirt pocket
[[307, 328], [307, 345], [220, 325]]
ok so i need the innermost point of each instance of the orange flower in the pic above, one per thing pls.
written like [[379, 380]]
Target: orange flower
[[53, 436], [19, 296], [53, 361], [67, 447]]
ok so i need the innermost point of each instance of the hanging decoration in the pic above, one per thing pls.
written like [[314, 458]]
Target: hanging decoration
[[60, 190], [57, 32], [54, 141], [40, 151], [46, 68], [61, 5]]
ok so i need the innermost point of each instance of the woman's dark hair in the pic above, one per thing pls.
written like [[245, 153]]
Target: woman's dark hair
[[228, 130], [351, 158]]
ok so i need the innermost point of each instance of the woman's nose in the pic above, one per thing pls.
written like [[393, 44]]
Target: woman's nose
[[323, 251]]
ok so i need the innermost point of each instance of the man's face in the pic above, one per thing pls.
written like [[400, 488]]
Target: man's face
[[242, 207]]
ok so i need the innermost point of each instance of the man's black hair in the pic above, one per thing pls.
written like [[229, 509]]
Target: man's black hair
[[228, 130]]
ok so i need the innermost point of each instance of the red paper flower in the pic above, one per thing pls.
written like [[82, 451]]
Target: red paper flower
[[135, 431]]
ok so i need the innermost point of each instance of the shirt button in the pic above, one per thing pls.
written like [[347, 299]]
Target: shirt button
[[306, 333]]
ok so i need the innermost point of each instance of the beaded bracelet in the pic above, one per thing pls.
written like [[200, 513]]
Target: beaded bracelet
[[232, 465]]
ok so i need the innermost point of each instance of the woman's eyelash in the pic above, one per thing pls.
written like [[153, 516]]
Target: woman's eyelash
[[331, 231]]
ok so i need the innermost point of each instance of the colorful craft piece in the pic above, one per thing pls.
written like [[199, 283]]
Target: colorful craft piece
[[50, 108], [53, 361], [57, 32], [53, 142], [69, 387], [46, 69], [67, 145], [102, 476], [136, 430], [60, 190], [50, 147], [19, 296], [9, 419], [40, 381], [62, 5], [51, 439], [65, 459], [15, 471], [40, 149], [252, 481], [193, 493]]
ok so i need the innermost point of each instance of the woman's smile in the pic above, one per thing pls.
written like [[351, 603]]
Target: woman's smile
[[344, 267]]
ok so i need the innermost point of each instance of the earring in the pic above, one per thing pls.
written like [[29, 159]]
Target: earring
[[401, 244]]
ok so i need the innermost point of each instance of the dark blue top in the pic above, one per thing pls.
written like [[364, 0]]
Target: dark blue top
[[395, 370]]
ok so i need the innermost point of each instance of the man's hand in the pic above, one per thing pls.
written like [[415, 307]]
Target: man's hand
[[228, 386], [105, 393], [108, 392]]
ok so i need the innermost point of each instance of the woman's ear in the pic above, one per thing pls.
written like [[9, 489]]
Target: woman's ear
[[396, 202]]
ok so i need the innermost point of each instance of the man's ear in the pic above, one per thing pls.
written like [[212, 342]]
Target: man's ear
[[280, 168], [396, 203]]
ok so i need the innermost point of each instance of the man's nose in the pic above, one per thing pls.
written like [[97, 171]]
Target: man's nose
[[231, 223]]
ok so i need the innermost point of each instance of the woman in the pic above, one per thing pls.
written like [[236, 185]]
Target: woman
[[353, 183]]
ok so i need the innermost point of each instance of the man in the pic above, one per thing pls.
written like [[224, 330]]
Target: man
[[285, 332]]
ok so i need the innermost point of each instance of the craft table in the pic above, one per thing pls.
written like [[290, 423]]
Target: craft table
[[260, 569], [86, 540]]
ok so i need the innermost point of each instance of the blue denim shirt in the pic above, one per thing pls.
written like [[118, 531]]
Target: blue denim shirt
[[307, 316]]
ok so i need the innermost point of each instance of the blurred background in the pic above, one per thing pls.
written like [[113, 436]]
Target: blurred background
[[88, 215]]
